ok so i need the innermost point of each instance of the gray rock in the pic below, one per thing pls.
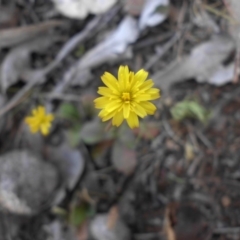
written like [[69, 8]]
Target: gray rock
[[100, 229], [27, 182]]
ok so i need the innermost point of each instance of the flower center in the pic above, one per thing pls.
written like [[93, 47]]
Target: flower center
[[126, 96]]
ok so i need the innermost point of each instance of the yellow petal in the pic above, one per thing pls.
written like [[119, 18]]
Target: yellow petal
[[153, 91], [139, 110], [149, 107], [101, 102], [41, 110], [105, 91], [34, 129], [44, 129], [118, 119], [126, 78], [155, 96], [108, 116], [146, 85], [140, 77], [143, 97], [121, 75], [113, 105], [133, 120], [131, 79], [34, 111], [49, 118], [126, 110], [103, 113], [110, 81]]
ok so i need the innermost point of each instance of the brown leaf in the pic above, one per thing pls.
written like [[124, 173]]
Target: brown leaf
[[184, 221], [168, 230], [113, 216], [71, 163], [112, 48], [134, 7], [14, 36], [189, 152], [9, 17], [124, 159], [226, 201], [99, 152], [202, 64], [16, 64], [82, 233], [147, 130]]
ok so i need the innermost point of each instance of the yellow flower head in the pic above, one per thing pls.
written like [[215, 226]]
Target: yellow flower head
[[126, 98], [39, 121]]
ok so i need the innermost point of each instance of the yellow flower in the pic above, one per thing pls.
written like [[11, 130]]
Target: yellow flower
[[126, 98], [39, 121]]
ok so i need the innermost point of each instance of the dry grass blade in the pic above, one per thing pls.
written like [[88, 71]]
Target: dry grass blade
[[14, 36]]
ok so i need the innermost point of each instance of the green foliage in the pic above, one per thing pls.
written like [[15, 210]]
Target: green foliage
[[190, 109], [79, 214], [69, 112], [80, 51], [73, 135]]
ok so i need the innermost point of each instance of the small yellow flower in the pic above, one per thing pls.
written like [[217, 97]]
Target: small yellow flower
[[39, 121], [126, 98]]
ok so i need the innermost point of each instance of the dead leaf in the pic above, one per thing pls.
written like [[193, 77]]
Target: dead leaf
[[167, 227], [202, 64], [94, 132], [71, 163], [82, 233], [14, 36], [226, 201], [124, 158], [79, 9], [147, 130], [171, 145], [154, 12], [134, 7], [184, 221], [112, 46], [9, 17], [113, 216], [189, 152], [203, 19], [100, 151], [222, 75], [81, 78], [58, 230], [2, 119], [17, 63]]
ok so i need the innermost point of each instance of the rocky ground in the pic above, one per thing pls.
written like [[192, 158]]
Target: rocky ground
[[176, 177]]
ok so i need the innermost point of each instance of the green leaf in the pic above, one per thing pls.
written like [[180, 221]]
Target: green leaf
[[79, 214], [190, 109], [80, 51], [73, 136], [69, 112]]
